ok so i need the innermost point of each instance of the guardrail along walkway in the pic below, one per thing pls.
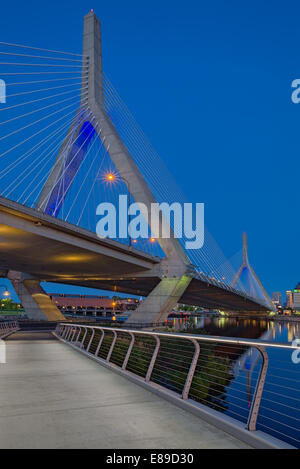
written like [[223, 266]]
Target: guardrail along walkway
[[246, 387], [51, 396]]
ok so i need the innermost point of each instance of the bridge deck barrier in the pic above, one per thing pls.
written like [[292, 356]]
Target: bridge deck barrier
[[230, 376], [7, 327]]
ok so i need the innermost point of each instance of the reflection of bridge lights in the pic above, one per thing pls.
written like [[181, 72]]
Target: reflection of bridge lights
[[6, 292], [247, 363], [73, 258], [134, 241], [9, 230]]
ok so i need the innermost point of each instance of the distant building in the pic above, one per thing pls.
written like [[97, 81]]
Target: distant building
[[296, 297], [276, 298], [289, 299], [92, 305]]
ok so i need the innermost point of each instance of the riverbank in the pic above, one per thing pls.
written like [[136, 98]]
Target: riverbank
[[242, 317], [285, 318]]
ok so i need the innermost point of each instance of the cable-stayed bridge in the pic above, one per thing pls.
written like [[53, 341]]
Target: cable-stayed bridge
[[67, 143]]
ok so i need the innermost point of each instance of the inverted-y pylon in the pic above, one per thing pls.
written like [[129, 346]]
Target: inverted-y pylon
[[247, 266], [92, 117], [35, 301]]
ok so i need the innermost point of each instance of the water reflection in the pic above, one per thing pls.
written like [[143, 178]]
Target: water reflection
[[243, 327], [280, 407]]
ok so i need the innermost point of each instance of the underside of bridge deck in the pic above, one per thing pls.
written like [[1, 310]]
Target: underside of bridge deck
[[46, 247], [198, 293], [54, 251]]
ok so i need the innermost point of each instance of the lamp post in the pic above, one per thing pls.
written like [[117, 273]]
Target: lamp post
[[111, 177], [6, 292], [113, 305]]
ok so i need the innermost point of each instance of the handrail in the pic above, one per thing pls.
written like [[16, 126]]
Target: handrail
[[7, 328], [190, 366], [204, 338]]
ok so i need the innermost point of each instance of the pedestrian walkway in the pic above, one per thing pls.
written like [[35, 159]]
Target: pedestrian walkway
[[51, 396]]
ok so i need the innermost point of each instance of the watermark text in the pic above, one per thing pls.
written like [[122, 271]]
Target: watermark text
[[176, 220]]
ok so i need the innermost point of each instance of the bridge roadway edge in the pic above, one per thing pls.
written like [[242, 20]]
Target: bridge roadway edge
[[257, 439]]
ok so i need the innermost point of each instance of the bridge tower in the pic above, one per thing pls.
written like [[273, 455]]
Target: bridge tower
[[245, 265], [174, 271]]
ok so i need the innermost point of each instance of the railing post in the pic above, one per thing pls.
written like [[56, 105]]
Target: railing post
[[64, 334], [74, 333], [69, 334], [189, 378], [112, 346], [253, 414], [128, 351], [78, 335], [153, 359], [83, 339], [91, 340], [100, 343]]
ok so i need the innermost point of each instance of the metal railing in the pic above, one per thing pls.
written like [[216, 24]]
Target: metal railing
[[244, 379], [7, 327]]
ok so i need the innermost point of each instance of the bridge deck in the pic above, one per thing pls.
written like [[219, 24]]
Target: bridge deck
[[53, 397]]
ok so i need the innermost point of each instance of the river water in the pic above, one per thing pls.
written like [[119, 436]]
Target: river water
[[279, 413]]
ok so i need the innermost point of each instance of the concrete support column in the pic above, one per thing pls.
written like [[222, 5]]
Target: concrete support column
[[161, 300], [35, 301]]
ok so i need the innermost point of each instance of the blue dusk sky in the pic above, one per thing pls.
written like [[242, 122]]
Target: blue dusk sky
[[210, 84]]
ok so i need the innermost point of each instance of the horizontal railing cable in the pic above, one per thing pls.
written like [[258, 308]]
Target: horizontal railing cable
[[216, 379]]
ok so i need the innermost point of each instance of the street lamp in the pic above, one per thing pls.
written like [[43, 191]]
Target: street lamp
[[112, 177], [6, 292], [114, 315]]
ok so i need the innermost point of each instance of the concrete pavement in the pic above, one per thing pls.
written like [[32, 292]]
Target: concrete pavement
[[53, 397]]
